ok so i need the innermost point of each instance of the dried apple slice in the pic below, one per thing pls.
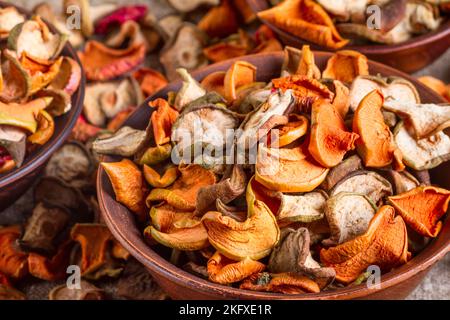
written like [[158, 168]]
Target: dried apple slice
[[183, 193], [60, 103], [287, 283], [162, 120], [34, 38], [401, 181], [346, 65], [293, 130], [15, 83], [422, 154], [13, 140], [41, 72], [220, 21], [156, 180], [288, 170], [329, 140], [150, 80], [127, 182], [385, 244], [348, 215], [225, 271], [345, 10], [68, 78], [165, 217], [23, 115], [421, 120], [301, 208], [342, 170], [239, 74], [124, 142], [103, 63], [45, 129], [375, 145], [307, 20], [9, 18], [253, 238], [214, 82], [13, 262], [190, 90], [422, 207]]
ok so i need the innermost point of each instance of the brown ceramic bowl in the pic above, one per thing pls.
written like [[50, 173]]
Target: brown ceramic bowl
[[14, 183], [179, 284], [408, 56]]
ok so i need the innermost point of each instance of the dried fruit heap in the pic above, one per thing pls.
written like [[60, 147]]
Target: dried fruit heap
[[319, 180]]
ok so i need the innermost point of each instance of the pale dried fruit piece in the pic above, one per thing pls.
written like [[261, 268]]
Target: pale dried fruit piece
[[9, 18], [13, 262], [422, 207], [329, 140], [184, 50], [120, 16], [183, 193], [124, 142], [103, 63], [225, 271], [368, 183], [190, 91], [421, 120], [156, 180], [375, 145], [127, 182], [342, 170], [253, 238], [13, 140], [293, 254], [288, 170], [402, 181], [305, 19], [87, 292], [384, 244], [346, 65], [422, 154], [287, 283], [345, 10], [397, 35], [34, 38], [239, 74], [60, 101], [348, 215], [220, 21], [307, 207], [68, 78]]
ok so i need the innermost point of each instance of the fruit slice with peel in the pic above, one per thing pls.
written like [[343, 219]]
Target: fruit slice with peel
[[239, 74]]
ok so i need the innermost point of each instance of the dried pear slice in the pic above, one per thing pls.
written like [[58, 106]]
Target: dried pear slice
[[422, 154], [14, 141], [190, 91], [348, 215], [342, 170], [124, 142]]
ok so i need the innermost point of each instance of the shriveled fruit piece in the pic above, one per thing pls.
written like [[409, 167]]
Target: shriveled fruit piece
[[155, 155], [189, 91], [293, 130], [329, 140], [124, 142], [165, 218], [253, 238], [425, 153], [342, 170], [150, 80], [348, 215], [288, 169], [132, 33], [50, 269], [346, 65], [23, 115], [183, 193], [239, 74], [15, 83], [127, 182], [307, 207], [385, 244], [103, 63], [60, 103], [236, 45], [341, 100], [41, 72], [422, 207], [293, 254], [220, 21], [214, 82], [287, 283], [225, 271], [13, 262], [119, 17], [160, 181], [306, 65], [68, 77], [35, 38], [305, 19], [375, 139], [401, 181], [162, 120], [45, 129], [87, 292], [421, 120], [368, 183], [13, 140], [9, 18]]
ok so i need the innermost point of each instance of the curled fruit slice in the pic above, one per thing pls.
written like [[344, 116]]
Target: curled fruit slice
[[183, 193], [329, 141], [346, 65], [68, 77], [239, 74], [155, 155], [234, 46], [160, 181], [165, 217], [287, 283], [307, 20], [348, 215], [253, 238], [150, 80], [15, 83], [162, 120], [13, 262], [124, 142], [220, 21], [50, 269], [342, 170], [41, 72], [300, 62], [45, 129], [288, 170], [422, 207], [385, 244], [126, 180], [293, 130], [225, 271], [119, 17], [375, 139], [214, 82], [103, 63]]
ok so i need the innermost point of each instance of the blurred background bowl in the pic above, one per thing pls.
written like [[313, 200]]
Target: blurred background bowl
[[409, 56], [180, 284], [14, 183]]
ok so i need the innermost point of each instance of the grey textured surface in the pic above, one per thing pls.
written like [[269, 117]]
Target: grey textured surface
[[437, 283]]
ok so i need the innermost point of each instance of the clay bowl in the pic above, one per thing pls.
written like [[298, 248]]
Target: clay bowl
[[14, 183], [409, 56], [182, 285]]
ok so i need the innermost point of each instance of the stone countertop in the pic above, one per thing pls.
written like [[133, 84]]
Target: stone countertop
[[436, 284]]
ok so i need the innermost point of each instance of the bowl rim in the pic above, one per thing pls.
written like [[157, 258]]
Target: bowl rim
[[41, 155], [370, 49], [158, 265]]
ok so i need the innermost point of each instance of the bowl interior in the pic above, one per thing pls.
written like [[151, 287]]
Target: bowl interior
[[63, 124], [122, 222]]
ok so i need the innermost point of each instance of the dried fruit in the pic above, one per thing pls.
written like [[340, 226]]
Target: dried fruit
[[156, 180], [234, 46], [41, 72], [329, 140], [214, 82], [220, 21], [13, 141], [287, 283], [342, 170], [68, 77], [45, 129], [124, 142], [150, 80], [155, 155], [293, 130], [13, 262], [87, 292], [50, 269], [187, 6], [119, 17], [422, 207], [15, 83], [189, 92], [239, 74], [162, 120], [9, 18], [346, 65]]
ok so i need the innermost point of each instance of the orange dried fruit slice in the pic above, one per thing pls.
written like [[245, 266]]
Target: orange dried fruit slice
[[346, 65]]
